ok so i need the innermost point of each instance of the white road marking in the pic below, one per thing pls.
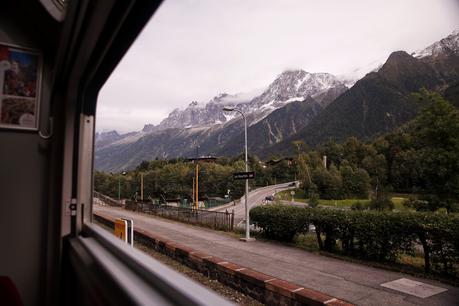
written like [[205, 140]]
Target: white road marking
[[412, 287]]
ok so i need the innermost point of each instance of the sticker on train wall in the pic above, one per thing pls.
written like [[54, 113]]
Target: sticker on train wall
[[20, 83]]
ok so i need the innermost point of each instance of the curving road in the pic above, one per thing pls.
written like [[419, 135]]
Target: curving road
[[255, 198]]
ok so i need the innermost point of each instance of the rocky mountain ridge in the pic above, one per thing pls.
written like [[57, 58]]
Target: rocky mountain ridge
[[444, 47], [289, 86], [382, 100]]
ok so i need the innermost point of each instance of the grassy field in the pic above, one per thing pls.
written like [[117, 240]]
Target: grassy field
[[300, 196]]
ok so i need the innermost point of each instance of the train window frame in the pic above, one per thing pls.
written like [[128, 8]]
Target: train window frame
[[56, 8], [96, 35]]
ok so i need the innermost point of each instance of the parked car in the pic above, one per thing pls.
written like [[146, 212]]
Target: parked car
[[269, 198]]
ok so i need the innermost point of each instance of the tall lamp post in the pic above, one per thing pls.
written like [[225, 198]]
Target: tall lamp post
[[247, 221], [196, 180]]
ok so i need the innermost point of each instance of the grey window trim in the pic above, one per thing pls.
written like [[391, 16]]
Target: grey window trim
[[56, 8], [125, 275]]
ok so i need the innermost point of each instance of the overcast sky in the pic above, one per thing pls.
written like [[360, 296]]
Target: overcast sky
[[194, 49]]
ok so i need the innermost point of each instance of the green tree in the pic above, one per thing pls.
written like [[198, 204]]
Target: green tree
[[329, 183], [435, 134], [303, 170], [376, 167], [356, 183]]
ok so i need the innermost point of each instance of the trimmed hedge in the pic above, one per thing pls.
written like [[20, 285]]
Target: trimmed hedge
[[373, 235], [279, 222]]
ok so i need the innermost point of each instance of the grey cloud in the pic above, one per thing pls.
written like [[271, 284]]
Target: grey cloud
[[195, 49]]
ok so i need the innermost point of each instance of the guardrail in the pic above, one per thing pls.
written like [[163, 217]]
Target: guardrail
[[106, 199], [213, 219]]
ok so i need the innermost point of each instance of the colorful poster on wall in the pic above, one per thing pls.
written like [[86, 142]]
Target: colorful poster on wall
[[20, 78]]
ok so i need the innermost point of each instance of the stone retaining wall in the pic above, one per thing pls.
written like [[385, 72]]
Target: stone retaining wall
[[262, 287]]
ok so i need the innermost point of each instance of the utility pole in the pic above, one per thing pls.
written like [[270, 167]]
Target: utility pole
[[119, 189], [195, 189], [141, 186], [196, 179], [192, 191], [196, 193]]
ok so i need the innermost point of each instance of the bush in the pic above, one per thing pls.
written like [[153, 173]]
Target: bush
[[358, 206], [431, 203], [417, 204], [375, 235], [382, 202], [381, 236], [278, 222]]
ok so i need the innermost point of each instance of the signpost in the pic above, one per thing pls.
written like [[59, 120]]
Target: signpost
[[244, 175], [124, 229], [121, 229]]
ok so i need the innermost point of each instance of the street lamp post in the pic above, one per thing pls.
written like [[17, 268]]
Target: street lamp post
[[196, 180], [247, 221]]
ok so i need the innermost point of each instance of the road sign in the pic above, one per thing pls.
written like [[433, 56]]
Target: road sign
[[124, 229], [121, 229], [292, 192], [244, 175]]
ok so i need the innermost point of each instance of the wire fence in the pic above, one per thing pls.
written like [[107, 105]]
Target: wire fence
[[213, 219]]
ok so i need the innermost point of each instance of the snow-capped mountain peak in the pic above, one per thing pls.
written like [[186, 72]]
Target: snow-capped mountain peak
[[107, 135], [289, 86], [294, 85], [446, 46]]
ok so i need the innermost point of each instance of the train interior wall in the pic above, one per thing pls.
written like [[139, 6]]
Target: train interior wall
[[24, 162]]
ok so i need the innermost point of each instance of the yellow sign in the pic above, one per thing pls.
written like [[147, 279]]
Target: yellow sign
[[121, 229]]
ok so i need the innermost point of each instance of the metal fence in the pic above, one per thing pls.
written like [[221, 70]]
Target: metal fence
[[209, 203], [213, 219], [216, 202]]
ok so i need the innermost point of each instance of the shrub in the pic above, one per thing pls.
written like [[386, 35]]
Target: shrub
[[382, 202], [358, 206], [279, 222], [419, 205], [381, 236]]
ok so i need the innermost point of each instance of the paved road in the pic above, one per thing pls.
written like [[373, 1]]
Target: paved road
[[355, 283], [255, 198]]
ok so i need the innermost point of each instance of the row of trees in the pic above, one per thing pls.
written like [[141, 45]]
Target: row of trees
[[170, 179], [174, 178]]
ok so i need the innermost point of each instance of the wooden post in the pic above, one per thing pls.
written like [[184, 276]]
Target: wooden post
[[197, 186], [141, 187]]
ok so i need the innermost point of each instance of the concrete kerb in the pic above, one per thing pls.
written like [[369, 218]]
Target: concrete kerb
[[265, 288]]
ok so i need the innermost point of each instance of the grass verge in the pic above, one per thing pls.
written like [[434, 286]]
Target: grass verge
[[300, 196]]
